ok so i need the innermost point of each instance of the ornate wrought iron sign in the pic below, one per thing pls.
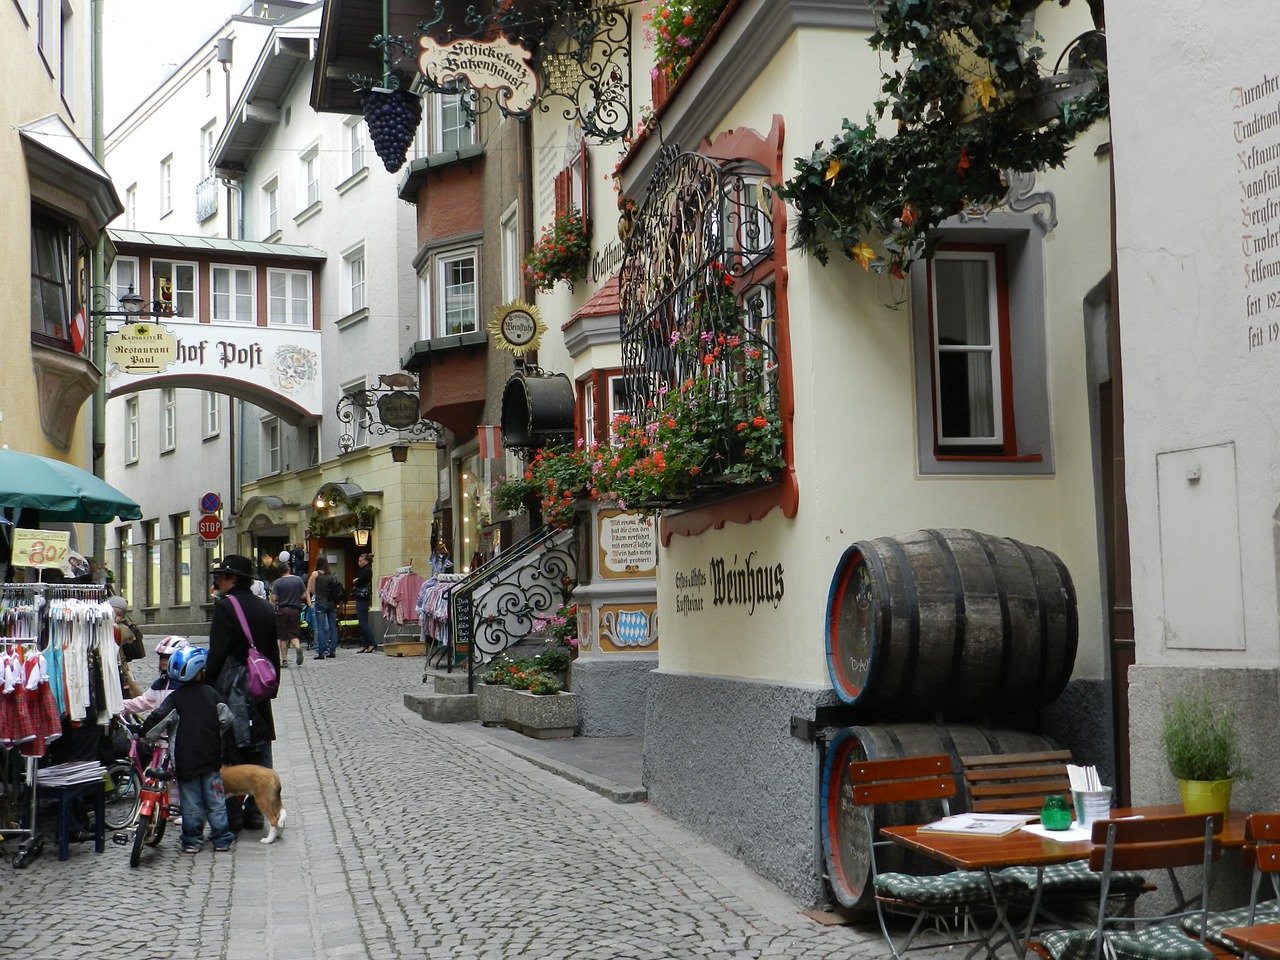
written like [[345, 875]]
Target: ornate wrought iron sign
[[520, 61], [384, 409]]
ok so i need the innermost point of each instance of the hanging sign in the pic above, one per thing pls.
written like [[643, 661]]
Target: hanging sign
[[41, 548], [142, 348], [399, 409], [517, 327], [496, 64]]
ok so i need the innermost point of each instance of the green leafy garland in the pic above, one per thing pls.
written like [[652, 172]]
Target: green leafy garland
[[961, 105]]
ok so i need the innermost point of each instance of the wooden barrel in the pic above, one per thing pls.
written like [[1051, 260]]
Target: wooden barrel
[[950, 623], [846, 852]]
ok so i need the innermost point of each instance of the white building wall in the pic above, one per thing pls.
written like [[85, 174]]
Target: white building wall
[[1195, 100]]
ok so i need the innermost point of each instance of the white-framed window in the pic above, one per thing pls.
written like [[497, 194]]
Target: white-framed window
[[456, 306], [354, 133], [587, 396], [131, 208], [313, 445], [447, 123], [166, 186], [208, 82], [353, 265], [289, 298], [233, 297], [207, 137], [66, 51], [310, 176], [168, 419], [131, 429], [358, 429], [978, 319], [174, 283], [424, 303], [271, 457], [271, 207], [124, 278], [512, 280], [211, 413]]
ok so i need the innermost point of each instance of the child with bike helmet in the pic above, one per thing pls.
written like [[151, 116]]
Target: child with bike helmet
[[163, 685], [201, 717]]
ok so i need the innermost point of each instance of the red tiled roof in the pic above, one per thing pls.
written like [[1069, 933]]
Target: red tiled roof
[[602, 303]]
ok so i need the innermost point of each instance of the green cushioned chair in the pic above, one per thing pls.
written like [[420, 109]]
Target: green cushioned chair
[[1167, 843], [1220, 920], [1075, 878], [950, 890]]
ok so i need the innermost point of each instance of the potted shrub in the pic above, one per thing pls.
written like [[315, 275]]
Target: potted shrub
[[1202, 745]]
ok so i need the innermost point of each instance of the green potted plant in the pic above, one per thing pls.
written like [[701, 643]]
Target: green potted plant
[[1202, 745], [561, 254]]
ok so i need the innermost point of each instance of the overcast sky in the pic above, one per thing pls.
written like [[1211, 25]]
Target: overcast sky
[[146, 40]]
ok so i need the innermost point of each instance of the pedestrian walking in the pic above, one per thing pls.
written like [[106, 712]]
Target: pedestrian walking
[[325, 613], [289, 593], [253, 727]]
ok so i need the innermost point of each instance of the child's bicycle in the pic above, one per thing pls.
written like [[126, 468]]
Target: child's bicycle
[[154, 810]]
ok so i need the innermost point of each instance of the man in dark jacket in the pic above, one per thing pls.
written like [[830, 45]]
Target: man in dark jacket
[[254, 727]]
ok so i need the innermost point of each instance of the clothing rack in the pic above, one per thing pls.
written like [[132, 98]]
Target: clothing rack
[[14, 786]]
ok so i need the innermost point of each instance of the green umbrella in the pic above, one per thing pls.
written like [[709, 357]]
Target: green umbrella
[[60, 491]]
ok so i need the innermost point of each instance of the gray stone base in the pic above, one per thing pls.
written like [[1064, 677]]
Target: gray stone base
[[553, 717], [443, 709], [612, 693], [719, 756]]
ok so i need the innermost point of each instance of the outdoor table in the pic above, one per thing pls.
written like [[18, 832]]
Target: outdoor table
[[1025, 849], [1262, 940]]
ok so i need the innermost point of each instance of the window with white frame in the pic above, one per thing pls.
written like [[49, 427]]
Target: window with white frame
[[271, 458], [271, 207], [174, 284], [166, 186], [233, 297], [355, 145], [512, 281], [587, 397], [131, 430], [448, 125], [207, 137], [66, 52], [289, 298], [358, 430], [211, 413], [124, 278], [424, 303], [131, 208], [353, 269], [979, 340], [456, 306], [168, 419], [310, 176]]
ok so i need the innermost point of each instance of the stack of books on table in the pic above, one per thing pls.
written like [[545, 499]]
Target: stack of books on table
[[979, 824]]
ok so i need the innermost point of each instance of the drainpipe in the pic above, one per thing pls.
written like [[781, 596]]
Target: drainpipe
[[97, 278], [224, 58]]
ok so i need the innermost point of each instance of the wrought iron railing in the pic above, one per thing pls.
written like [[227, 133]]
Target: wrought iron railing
[[206, 198], [697, 298], [496, 606]]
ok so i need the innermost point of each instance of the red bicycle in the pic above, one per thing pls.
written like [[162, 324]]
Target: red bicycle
[[154, 807]]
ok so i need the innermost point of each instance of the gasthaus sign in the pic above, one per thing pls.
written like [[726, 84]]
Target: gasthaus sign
[[270, 359]]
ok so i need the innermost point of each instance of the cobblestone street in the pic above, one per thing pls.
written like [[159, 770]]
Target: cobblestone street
[[409, 839]]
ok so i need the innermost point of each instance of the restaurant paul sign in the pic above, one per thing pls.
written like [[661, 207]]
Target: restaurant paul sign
[[142, 348], [496, 64]]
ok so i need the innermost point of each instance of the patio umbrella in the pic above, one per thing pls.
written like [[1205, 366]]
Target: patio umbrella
[[60, 491]]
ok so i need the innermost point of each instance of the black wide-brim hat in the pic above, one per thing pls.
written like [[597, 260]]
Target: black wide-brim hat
[[234, 563]]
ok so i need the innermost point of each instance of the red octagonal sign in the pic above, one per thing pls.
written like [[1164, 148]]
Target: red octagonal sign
[[210, 528]]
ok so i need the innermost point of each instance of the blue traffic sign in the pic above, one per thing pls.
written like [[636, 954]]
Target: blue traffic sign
[[210, 503]]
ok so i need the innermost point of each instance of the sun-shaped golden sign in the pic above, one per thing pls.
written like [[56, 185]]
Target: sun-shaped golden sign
[[517, 326]]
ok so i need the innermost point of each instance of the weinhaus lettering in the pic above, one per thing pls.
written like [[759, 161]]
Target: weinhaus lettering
[[744, 583]]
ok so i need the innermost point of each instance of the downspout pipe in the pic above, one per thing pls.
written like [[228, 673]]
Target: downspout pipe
[[98, 277]]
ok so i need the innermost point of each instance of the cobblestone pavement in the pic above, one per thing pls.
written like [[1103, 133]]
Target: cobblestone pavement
[[408, 839]]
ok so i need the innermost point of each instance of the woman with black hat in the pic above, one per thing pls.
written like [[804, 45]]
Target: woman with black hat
[[227, 670]]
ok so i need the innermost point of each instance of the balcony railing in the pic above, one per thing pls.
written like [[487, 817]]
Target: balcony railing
[[206, 198]]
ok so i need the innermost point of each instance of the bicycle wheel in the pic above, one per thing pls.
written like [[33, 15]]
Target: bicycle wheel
[[124, 797], [157, 829], [140, 833]]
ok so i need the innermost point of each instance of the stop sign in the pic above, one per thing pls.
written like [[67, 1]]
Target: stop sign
[[210, 528]]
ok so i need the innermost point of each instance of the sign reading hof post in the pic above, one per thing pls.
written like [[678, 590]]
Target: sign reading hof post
[[496, 64], [517, 327]]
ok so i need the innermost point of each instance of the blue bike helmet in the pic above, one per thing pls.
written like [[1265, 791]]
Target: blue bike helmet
[[186, 663]]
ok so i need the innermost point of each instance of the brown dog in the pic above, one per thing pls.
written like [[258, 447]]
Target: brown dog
[[261, 783]]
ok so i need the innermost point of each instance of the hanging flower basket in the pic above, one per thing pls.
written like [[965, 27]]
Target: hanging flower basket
[[561, 254]]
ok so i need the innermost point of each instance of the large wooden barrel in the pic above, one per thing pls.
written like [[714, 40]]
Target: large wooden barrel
[[950, 623], [846, 852]]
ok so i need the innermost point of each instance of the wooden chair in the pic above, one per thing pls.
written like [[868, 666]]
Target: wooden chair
[[1154, 843], [1019, 783], [964, 893], [1262, 847], [1015, 782]]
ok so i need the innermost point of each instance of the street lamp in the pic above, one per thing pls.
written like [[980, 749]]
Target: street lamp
[[132, 307], [361, 533]]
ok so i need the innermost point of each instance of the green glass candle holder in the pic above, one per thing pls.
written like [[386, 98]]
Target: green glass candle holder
[[1055, 814]]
